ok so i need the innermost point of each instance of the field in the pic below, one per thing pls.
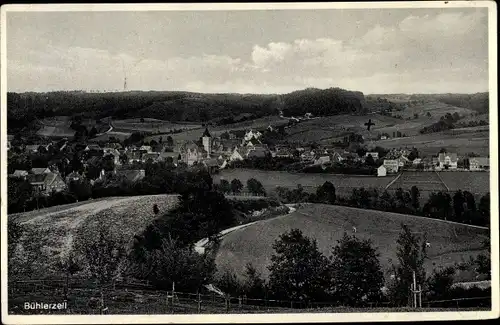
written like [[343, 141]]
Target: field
[[450, 242], [57, 228], [332, 127], [150, 125], [57, 126], [272, 179], [474, 182], [257, 124], [461, 141]]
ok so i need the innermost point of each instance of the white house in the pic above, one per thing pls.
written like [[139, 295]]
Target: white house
[[373, 154], [479, 163], [322, 160], [417, 161], [235, 156], [145, 148], [448, 159], [381, 171], [391, 165], [383, 137]]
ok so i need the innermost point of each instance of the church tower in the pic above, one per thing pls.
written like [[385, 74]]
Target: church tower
[[207, 144]]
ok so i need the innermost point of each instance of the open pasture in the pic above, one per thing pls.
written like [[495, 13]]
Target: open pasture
[[461, 141], [450, 242], [272, 179], [150, 125], [474, 182], [56, 127]]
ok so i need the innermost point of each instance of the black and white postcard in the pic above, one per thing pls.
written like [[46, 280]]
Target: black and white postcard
[[280, 162]]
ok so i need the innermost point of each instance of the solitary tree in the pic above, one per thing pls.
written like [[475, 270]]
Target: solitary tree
[[104, 258], [415, 196], [326, 193], [255, 187], [370, 161], [225, 187], [236, 186], [299, 271], [357, 275], [170, 141], [411, 254]]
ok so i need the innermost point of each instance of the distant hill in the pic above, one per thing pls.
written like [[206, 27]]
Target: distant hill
[[178, 106], [478, 102]]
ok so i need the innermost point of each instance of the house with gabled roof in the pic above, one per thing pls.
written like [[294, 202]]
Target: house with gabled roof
[[191, 153], [47, 182], [448, 160], [20, 173], [165, 156], [38, 171], [236, 155], [479, 163], [153, 156]]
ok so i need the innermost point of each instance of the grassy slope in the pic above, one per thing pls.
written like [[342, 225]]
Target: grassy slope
[[449, 242], [57, 228]]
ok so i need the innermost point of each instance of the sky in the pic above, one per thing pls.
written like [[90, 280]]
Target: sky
[[437, 50]]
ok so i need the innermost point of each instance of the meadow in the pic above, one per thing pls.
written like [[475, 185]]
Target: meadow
[[54, 230], [450, 242], [272, 179], [150, 125]]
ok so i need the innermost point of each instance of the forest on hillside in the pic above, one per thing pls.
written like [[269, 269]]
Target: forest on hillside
[[173, 106]]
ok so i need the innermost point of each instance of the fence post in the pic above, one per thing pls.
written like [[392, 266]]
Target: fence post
[[239, 301], [199, 303]]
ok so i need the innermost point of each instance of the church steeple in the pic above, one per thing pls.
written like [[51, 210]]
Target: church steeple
[[206, 133], [207, 144]]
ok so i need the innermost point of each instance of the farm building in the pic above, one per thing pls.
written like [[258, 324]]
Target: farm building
[[145, 149], [47, 182], [191, 153], [258, 152], [391, 165], [479, 163], [112, 152], [92, 147], [39, 171], [32, 148], [417, 161], [74, 176], [154, 156], [373, 154], [381, 171], [20, 173], [322, 160], [164, 156], [447, 159], [236, 155], [133, 156]]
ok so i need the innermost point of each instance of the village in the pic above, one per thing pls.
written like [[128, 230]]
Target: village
[[214, 153]]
